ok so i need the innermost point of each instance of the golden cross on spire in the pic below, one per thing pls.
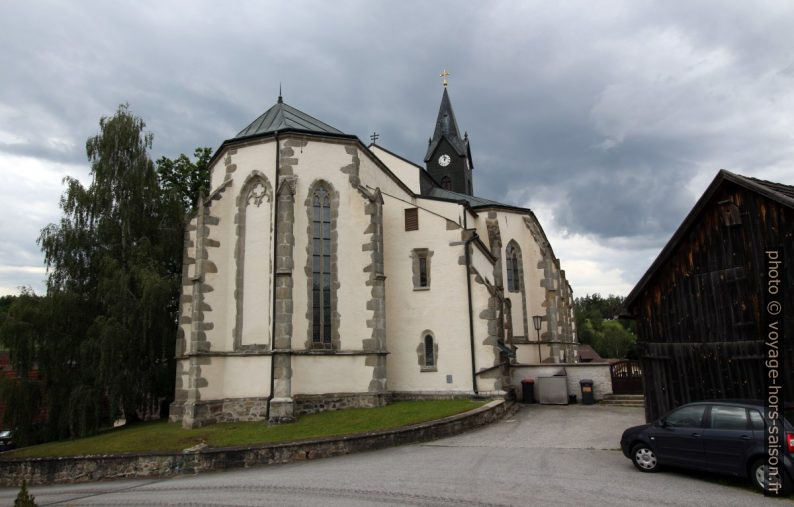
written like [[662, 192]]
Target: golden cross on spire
[[444, 75]]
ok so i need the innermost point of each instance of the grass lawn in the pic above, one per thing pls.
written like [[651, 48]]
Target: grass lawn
[[165, 436]]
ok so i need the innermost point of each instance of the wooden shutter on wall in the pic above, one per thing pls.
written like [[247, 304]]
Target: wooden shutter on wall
[[412, 219]]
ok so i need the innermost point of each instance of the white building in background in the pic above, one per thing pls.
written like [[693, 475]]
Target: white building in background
[[321, 273]]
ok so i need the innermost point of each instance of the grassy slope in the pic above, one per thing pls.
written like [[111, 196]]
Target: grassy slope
[[164, 436]]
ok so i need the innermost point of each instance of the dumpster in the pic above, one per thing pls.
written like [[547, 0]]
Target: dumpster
[[587, 391], [528, 390]]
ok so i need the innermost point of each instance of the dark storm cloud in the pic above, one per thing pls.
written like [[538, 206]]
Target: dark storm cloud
[[614, 115]]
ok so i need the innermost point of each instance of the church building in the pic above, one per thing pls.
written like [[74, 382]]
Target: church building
[[321, 273]]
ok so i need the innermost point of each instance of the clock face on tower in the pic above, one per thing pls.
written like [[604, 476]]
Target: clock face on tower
[[444, 160]]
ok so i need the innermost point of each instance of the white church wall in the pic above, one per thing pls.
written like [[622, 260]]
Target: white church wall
[[482, 263], [450, 210], [238, 166], [527, 353], [218, 304], [255, 246], [513, 228], [323, 161], [323, 374], [485, 353], [246, 376], [236, 377], [441, 309], [406, 172], [256, 289]]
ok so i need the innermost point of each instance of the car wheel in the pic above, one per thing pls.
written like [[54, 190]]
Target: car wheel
[[644, 458], [757, 471]]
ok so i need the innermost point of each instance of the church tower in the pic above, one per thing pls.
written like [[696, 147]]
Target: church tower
[[448, 158]]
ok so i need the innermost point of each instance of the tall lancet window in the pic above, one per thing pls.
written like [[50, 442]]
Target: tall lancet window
[[513, 278], [321, 267]]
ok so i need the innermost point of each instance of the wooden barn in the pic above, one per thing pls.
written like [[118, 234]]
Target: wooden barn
[[699, 306]]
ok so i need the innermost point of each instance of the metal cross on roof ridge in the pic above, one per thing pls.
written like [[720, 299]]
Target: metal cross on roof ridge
[[374, 137], [444, 75]]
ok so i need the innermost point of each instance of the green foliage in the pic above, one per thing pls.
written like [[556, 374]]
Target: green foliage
[[184, 178], [24, 499], [103, 336], [598, 324], [165, 436]]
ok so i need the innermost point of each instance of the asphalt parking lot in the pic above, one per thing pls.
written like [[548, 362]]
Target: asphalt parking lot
[[542, 455]]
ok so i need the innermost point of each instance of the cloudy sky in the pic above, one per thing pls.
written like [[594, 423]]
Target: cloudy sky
[[608, 119]]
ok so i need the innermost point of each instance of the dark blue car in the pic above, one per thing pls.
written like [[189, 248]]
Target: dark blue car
[[721, 436]]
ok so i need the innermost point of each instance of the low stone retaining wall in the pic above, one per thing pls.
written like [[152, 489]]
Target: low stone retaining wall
[[91, 468]]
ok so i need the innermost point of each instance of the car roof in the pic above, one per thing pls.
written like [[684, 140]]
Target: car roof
[[751, 403]]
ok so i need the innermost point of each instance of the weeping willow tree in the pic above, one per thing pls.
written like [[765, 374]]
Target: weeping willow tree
[[103, 336]]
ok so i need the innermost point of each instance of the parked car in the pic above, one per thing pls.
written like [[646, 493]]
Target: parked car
[[720, 436], [6, 440]]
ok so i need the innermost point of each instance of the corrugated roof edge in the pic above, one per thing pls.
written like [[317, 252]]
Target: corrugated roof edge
[[723, 175]]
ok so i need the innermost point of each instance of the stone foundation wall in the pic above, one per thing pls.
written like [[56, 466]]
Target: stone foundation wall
[[255, 409], [92, 468], [230, 410], [313, 403]]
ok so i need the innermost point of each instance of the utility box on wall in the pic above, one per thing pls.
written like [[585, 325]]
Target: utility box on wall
[[553, 390]]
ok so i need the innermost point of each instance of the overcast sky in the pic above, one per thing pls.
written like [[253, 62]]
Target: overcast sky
[[609, 119]]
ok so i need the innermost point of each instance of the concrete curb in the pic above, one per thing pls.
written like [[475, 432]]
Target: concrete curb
[[73, 469]]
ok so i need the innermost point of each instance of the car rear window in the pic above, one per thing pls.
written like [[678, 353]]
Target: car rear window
[[728, 418]]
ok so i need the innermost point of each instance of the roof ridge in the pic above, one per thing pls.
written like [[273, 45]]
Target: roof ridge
[[282, 116]]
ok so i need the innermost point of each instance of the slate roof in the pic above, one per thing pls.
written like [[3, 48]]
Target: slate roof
[[285, 117], [446, 128], [473, 201], [588, 354]]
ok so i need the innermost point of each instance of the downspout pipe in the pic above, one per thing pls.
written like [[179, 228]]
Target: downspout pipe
[[466, 247], [273, 296]]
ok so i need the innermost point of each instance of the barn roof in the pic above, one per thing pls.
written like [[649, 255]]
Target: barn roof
[[783, 194]]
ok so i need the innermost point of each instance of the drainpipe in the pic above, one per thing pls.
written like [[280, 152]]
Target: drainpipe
[[273, 296], [471, 311]]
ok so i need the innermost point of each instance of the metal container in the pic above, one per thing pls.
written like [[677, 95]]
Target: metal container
[[553, 390]]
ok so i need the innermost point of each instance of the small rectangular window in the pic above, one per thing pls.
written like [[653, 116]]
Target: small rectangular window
[[423, 271], [412, 219]]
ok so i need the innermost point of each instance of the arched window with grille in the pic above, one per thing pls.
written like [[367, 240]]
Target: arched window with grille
[[321, 276], [428, 351], [446, 183], [430, 357]]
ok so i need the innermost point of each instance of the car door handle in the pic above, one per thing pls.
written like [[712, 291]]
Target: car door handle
[[746, 437], [696, 435]]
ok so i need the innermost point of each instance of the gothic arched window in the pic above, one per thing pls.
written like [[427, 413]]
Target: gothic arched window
[[446, 183], [321, 267], [513, 276]]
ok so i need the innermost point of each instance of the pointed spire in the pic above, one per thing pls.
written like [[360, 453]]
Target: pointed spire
[[280, 98], [446, 127]]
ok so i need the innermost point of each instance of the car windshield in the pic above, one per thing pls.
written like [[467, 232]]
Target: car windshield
[[5, 434]]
